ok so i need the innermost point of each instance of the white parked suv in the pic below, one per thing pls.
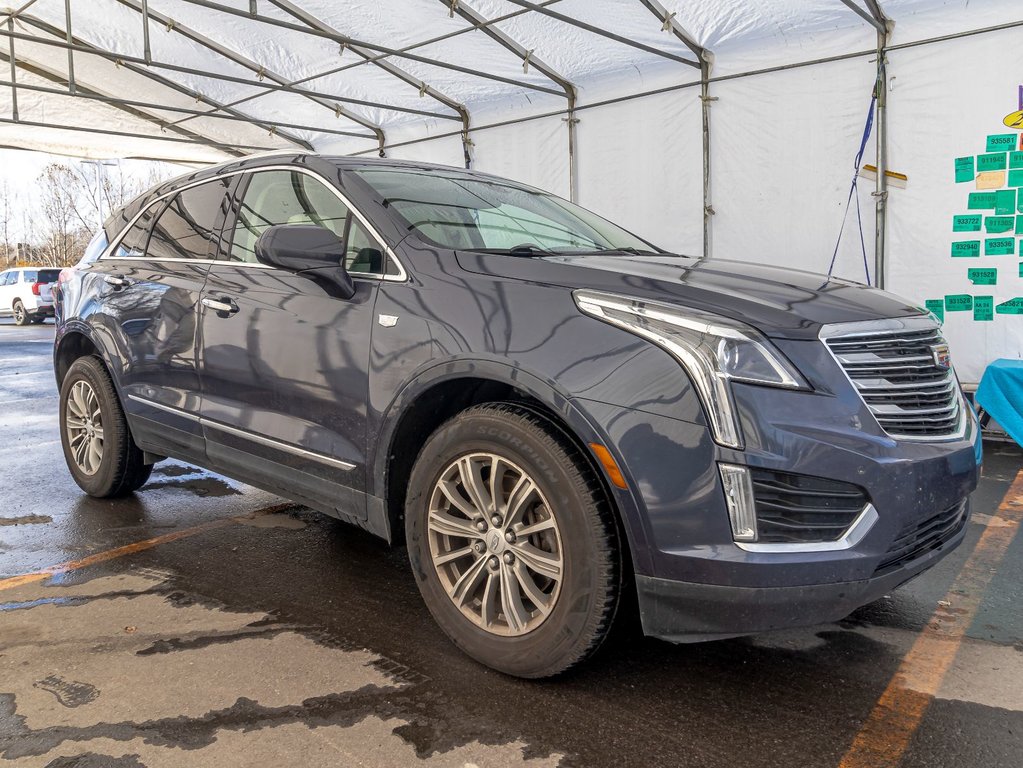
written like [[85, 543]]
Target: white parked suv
[[27, 293]]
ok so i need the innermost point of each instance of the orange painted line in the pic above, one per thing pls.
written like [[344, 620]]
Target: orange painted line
[[884, 737], [130, 549]]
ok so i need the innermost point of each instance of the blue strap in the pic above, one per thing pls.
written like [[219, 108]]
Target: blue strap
[[852, 191]]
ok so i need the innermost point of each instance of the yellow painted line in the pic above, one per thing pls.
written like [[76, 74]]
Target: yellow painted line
[[130, 549], [884, 737]]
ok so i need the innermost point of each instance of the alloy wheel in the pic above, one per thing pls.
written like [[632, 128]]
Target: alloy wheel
[[495, 544], [84, 425]]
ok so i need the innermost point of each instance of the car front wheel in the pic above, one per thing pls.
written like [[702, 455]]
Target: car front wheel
[[512, 541], [98, 447]]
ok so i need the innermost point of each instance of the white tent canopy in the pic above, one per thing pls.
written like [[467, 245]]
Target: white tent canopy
[[717, 126]]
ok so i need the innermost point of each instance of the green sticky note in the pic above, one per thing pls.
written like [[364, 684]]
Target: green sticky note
[[1019, 204], [1005, 202], [1021, 269], [958, 302], [937, 306], [980, 201], [1002, 142], [1019, 225], [964, 169], [982, 275], [965, 249], [983, 307], [993, 224], [966, 222], [999, 246], [1011, 307], [992, 162], [1015, 160], [1016, 178]]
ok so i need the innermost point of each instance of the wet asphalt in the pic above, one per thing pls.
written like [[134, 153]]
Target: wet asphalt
[[281, 637]]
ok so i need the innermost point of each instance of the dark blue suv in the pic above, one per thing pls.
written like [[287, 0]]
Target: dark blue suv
[[555, 415]]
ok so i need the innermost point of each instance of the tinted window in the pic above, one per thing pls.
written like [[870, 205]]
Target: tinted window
[[187, 226], [133, 244], [283, 197]]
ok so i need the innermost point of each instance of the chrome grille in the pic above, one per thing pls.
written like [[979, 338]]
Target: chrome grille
[[893, 367]]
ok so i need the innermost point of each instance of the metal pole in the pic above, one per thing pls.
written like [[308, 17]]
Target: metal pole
[[70, 51], [573, 183], [881, 193], [705, 100], [147, 51], [14, 73]]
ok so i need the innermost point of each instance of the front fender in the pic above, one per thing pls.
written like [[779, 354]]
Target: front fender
[[575, 415]]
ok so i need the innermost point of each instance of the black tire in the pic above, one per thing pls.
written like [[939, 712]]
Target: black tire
[[583, 609], [121, 468], [20, 315]]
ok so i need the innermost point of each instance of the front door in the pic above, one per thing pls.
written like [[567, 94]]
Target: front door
[[284, 361]]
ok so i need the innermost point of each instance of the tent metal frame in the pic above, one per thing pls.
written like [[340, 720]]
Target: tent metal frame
[[383, 57]]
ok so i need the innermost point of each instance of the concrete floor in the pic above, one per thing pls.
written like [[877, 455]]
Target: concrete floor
[[203, 624]]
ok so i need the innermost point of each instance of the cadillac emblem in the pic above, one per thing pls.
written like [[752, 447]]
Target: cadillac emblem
[[942, 359]]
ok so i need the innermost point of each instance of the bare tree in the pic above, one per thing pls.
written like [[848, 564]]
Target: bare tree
[[5, 222], [65, 226]]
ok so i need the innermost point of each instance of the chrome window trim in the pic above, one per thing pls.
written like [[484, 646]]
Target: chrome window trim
[[401, 277], [346, 466], [853, 536], [883, 326]]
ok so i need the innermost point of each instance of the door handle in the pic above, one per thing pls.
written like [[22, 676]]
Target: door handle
[[223, 306], [118, 281]]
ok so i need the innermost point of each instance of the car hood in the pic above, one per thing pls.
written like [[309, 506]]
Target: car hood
[[785, 303]]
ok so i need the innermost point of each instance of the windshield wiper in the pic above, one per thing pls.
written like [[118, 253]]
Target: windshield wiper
[[525, 250]]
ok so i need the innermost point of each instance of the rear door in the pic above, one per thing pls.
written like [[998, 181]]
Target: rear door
[[284, 370], [149, 287]]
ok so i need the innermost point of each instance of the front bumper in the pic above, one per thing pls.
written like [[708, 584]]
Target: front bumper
[[685, 612]]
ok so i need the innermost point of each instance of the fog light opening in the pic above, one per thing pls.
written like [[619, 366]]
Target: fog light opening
[[742, 513]]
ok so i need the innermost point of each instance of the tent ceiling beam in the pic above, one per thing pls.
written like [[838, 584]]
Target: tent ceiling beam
[[85, 47], [603, 32], [480, 23], [86, 92], [390, 68], [249, 148], [667, 18], [350, 41], [868, 17], [447, 36], [93, 95], [260, 71]]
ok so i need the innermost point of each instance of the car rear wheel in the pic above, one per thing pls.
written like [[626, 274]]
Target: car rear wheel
[[512, 541], [98, 448], [20, 315]]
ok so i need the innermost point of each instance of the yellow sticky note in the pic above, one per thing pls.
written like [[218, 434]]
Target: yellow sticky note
[[990, 179]]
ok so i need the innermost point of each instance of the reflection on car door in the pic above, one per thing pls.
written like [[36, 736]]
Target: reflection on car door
[[151, 284], [284, 362]]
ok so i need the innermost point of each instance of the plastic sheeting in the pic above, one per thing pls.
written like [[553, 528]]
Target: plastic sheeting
[[791, 84]]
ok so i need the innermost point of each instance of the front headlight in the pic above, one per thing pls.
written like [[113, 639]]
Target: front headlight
[[712, 349]]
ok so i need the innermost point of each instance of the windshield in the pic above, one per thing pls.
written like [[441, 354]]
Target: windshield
[[458, 211]]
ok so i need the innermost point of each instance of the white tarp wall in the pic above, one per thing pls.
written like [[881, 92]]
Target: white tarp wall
[[791, 84]]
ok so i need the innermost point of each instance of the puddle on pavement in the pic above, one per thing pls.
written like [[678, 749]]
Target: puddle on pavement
[[113, 671]]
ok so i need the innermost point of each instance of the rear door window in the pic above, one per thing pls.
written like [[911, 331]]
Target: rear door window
[[133, 244], [189, 225]]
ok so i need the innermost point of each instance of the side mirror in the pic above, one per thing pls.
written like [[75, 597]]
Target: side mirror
[[312, 251]]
